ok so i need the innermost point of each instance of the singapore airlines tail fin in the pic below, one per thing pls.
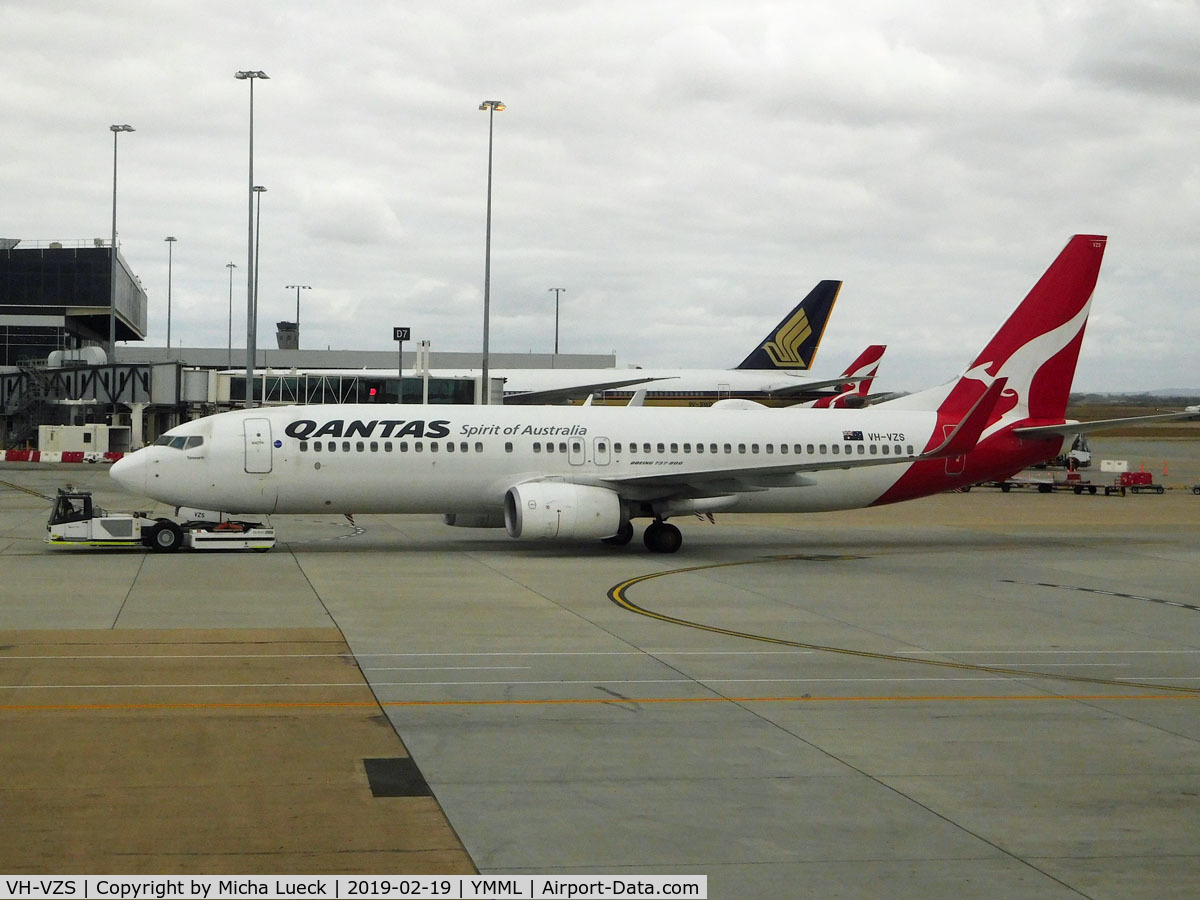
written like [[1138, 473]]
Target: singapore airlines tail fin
[[854, 394], [792, 344], [1035, 350]]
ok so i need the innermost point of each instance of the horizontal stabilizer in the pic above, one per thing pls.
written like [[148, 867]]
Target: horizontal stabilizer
[[1035, 431]]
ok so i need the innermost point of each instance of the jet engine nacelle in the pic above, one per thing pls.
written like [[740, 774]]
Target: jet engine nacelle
[[556, 510]]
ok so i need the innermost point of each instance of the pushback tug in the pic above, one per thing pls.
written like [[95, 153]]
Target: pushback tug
[[76, 521]]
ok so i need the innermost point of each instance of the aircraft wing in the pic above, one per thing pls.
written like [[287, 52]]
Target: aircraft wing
[[717, 482], [1036, 431], [814, 387], [574, 391]]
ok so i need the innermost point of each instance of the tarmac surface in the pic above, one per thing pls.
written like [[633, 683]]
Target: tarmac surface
[[973, 695]]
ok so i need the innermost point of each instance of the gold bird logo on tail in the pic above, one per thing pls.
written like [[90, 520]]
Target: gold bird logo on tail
[[785, 349]]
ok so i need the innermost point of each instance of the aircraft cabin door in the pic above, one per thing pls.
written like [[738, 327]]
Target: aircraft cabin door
[[575, 451], [258, 445]]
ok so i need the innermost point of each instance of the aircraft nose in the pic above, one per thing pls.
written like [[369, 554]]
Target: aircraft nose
[[130, 472]]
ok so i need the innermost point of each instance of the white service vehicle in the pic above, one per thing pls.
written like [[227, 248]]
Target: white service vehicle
[[76, 522]]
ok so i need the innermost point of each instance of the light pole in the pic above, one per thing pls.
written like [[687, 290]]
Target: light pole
[[250, 271], [492, 107], [112, 271], [170, 259], [556, 291], [259, 190], [230, 266], [299, 288]]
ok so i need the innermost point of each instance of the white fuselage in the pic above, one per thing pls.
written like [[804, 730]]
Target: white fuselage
[[766, 382], [462, 459]]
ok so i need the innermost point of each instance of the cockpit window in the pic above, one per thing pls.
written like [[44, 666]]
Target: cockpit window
[[180, 442]]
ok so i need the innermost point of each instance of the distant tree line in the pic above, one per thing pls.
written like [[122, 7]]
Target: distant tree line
[[1174, 398]]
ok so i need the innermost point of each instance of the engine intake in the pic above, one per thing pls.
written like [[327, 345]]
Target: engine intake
[[555, 510]]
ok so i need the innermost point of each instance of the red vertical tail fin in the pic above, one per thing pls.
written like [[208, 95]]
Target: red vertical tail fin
[[854, 393], [1030, 363], [1036, 349]]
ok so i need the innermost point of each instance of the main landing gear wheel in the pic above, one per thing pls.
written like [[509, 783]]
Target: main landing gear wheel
[[662, 537], [166, 537], [623, 536]]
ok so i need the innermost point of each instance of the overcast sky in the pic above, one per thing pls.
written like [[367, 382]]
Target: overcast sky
[[685, 170]]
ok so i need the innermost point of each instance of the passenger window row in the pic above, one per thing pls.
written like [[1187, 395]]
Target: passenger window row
[[389, 446], [646, 449], [634, 448]]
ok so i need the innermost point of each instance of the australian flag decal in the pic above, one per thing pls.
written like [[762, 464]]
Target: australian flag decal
[[852, 436]]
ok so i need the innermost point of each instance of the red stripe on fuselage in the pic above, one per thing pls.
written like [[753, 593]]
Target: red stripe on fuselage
[[993, 458]]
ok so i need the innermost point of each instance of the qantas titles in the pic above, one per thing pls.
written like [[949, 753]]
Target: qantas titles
[[307, 428], [303, 429]]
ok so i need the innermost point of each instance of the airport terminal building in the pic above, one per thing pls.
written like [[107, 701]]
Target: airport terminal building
[[54, 321], [56, 297]]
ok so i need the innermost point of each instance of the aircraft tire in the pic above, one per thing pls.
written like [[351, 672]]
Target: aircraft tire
[[662, 537], [167, 537], [623, 536]]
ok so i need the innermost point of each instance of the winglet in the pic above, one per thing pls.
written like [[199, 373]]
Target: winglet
[[962, 437], [792, 344]]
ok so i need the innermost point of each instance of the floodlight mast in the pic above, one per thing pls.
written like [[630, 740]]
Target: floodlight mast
[[251, 349], [492, 107]]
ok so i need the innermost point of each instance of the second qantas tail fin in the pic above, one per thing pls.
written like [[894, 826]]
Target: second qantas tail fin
[[792, 344], [1035, 350], [854, 393]]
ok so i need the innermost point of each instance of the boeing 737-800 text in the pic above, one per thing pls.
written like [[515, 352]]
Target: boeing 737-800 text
[[552, 473]]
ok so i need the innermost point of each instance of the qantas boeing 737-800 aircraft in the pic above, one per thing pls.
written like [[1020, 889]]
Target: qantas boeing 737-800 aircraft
[[563, 473]]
